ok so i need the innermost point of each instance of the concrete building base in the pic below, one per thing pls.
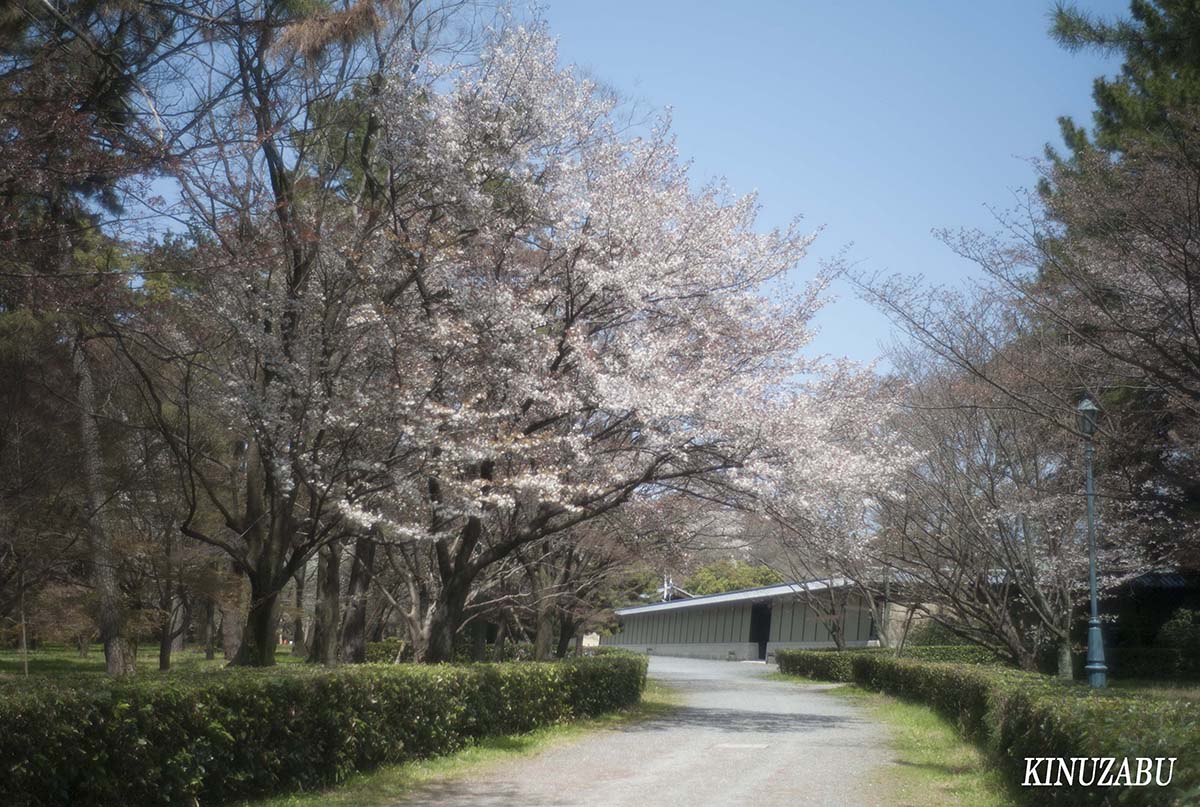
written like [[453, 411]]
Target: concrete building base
[[720, 651]]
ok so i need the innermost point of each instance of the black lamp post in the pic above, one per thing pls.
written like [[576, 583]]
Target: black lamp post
[[1097, 671]]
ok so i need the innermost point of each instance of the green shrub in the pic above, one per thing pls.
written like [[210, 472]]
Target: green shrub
[[510, 651], [1016, 715], [388, 651], [951, 654], [608, 650], [1181, 632], [239, 734], [823, 665], [1161, 663], [929, 632]]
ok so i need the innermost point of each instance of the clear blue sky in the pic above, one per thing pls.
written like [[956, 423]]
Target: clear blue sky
[[879, 120]]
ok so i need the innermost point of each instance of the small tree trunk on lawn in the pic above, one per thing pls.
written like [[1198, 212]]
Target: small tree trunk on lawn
[[183, 621], [232, 617], [118, 653], [164, 654], [501, 638], [169, 629], [1066, 669], [543, 631], [207, 629], [299, 644], [24, 636], [165, 642]]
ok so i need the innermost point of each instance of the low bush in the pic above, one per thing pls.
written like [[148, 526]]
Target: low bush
[[389, 651], [509, 651], [820, 664], [239, 734], [951, 654], [608, 650], [929, 632], [1016, 715], [1181, 631], [1159, 663]]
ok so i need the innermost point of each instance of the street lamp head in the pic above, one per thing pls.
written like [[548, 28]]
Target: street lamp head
[[1087, 412]]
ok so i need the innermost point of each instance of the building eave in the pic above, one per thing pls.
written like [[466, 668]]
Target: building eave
[[743, 595]]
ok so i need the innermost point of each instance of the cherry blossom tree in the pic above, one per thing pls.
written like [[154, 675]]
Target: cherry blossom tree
[[569, 325], [251, 350], [822, 519], [987, 532]]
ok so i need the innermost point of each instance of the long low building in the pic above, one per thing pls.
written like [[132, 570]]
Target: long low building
[[747, 624]]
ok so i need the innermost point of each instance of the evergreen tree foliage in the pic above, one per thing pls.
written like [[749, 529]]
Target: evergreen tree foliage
[[1160, 46], [730, 575]]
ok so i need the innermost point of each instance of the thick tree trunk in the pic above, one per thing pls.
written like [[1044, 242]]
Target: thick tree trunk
[[501, 638], [205, 632], [375, 632], [447, 617], [543, 634], [478, 641], [118, 651], [1027, 660], [259, 636], [164, 649], [324, 646], [170, 631], [299, 645], [181, 624], [566, 632], [354, 642]]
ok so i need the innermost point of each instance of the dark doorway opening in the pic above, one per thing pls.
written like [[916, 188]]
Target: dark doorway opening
[[760, 627]]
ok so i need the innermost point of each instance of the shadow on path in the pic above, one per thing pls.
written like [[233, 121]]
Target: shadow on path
[[738, 720]]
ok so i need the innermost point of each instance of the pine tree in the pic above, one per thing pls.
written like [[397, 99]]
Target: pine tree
[[1160, 45]]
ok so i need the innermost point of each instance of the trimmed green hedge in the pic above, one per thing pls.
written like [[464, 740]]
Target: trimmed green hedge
[[244, 733], [946, 653], [1017, 715], [949, 653]]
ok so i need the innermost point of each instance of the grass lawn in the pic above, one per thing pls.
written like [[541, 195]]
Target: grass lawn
[[385, 785], [935, 766], [56, 660]]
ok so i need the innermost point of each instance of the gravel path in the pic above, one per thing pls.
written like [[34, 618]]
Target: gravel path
[[738, 739]]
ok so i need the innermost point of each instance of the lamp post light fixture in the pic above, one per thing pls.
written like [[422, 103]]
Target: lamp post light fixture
[[1097, 671]]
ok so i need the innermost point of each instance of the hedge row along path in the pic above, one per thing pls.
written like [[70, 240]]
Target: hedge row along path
[[737, 739]]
